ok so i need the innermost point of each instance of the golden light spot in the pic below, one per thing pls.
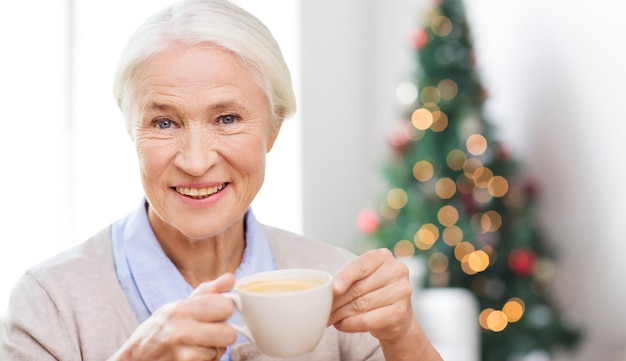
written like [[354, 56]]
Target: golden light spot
[[404, 249], [470, 166], [448, 215], [485, 224], [456, 159], [441, 26], [476, 144], [421, 245], [497, 321], [482, 176], [491, 221], [426, 236], [448, 89], [438, 262], [422, 119], [440, 121], [430, 94], [478, 261], [465, 266], [452, 235], [484, 315], [514, 309], [423, 171], [464, 184], [397, 198], [445, 188], [463, 249], [498, 186]]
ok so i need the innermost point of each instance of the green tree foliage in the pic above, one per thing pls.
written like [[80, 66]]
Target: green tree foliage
[[460, 201]]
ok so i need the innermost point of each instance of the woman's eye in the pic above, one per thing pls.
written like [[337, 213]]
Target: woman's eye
[[228, 119], [164, 123]]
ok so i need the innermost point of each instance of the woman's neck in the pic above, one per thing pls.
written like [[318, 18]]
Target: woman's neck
[[201, 260]]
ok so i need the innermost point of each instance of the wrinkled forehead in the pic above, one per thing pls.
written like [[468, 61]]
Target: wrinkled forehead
[[174, 62]]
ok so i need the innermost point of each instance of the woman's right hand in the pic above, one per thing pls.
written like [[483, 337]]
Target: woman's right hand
[[190, 329]]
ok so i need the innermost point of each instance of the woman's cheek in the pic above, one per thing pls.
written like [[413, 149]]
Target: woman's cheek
[[147, 153]]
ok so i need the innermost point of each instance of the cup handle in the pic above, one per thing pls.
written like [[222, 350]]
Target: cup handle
[[237, 302]]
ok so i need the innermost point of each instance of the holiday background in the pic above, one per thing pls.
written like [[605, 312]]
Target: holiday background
[[553, 71], [555, 84]]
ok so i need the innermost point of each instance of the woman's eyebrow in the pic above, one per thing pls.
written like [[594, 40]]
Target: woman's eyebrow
[[221, 106], [227, 105], [153, 106]]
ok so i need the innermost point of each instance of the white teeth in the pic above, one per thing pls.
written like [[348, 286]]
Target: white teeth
[[199, 192]]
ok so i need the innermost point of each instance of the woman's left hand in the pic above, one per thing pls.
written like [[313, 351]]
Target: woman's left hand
[[372, 293]]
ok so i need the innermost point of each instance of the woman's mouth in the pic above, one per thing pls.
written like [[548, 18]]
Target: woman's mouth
[[199, 193]]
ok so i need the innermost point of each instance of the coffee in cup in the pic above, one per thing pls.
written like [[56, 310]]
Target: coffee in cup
[[285, 312], [279, 286]]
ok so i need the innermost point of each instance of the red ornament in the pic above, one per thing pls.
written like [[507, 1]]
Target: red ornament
[[522, 261], [419, 38], [398, 135], [367, 221]]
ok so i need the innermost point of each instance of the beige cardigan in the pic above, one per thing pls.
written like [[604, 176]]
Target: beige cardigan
[[72, 308]]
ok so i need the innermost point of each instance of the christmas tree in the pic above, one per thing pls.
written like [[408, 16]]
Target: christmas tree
[[460, 201]]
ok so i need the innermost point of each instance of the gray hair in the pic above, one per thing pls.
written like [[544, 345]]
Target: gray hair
[[216, 22]]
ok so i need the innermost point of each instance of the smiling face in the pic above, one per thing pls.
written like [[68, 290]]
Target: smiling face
[[202, 126]]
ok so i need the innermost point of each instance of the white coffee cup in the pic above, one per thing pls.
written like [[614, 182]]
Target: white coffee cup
[[279, 320]]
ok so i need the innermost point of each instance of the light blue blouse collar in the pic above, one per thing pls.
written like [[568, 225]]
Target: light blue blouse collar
[[150, 279]]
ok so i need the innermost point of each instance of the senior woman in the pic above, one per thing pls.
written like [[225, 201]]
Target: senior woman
[[203, 89]]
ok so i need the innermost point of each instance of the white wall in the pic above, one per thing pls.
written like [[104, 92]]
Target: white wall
[[558, 95], [33, 143], [555, 73], [354, 55]]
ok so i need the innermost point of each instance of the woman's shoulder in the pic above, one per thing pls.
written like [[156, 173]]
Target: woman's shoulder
[[292, 250], [69, 301], [78, 281]]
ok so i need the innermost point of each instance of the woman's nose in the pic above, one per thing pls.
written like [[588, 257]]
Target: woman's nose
[[197, 153]]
